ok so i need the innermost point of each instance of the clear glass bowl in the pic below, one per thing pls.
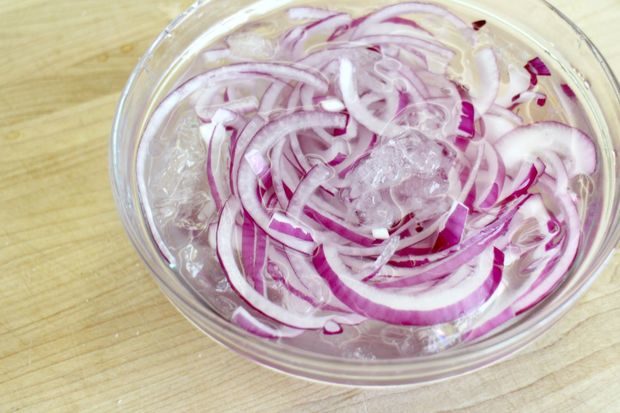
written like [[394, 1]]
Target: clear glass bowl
[[546, 29]]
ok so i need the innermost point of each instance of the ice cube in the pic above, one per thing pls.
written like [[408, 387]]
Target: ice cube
[[223, 286], [412, 168], [190, 262], [359, 350], [251, 45], [402, 338], [443, 336]]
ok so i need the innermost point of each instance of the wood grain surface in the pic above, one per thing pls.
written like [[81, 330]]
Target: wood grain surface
[[84, 328]]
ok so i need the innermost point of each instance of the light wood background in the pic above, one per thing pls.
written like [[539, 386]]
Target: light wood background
[[82, 325]]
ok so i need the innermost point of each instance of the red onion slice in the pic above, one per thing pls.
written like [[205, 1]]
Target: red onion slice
[[398, 10], [453, 229], [248, 322], [359, 112], [535, 140], [433, 307], [488, 74], [549, 278], [247, 181], [226, 255]]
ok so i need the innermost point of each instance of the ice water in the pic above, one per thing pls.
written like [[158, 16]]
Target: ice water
[[413, 167]]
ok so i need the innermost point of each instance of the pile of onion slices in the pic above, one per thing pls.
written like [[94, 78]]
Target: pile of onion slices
[[355, 172]]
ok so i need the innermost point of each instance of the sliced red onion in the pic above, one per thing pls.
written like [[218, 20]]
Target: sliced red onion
[[251, 128], [525, 292], [285, 143], [550, 277], [557, 169], [418, 44], [397, 25], [536, 67], [406, 22], [248, 322], [496, 175], [467, 125], [338, 227], [286, 225], [277, 165], [234, 71], [525, 178], [359, 112], [404, 244], [528, 96], [478, 24], [365, 143], [490, 322], [226, 255], [308, 103], [471, 177], [243, 105], [332, 105], [253, 253], [300, 158], [314, 291], [323, 26], [405, 8], [368, 269], [214, 134], [306, 283], [518, 83], [506, 114], [247, 181], [435, 306], [567, 90], [332, 328], [496, 126], [337, 159], [438, 265], [317, 176], [248, 240], [488, 84], [272, 95], [453, 228], [531, 141]]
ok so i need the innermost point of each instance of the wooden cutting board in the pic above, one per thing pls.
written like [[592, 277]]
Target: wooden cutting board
[[84, 328]]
